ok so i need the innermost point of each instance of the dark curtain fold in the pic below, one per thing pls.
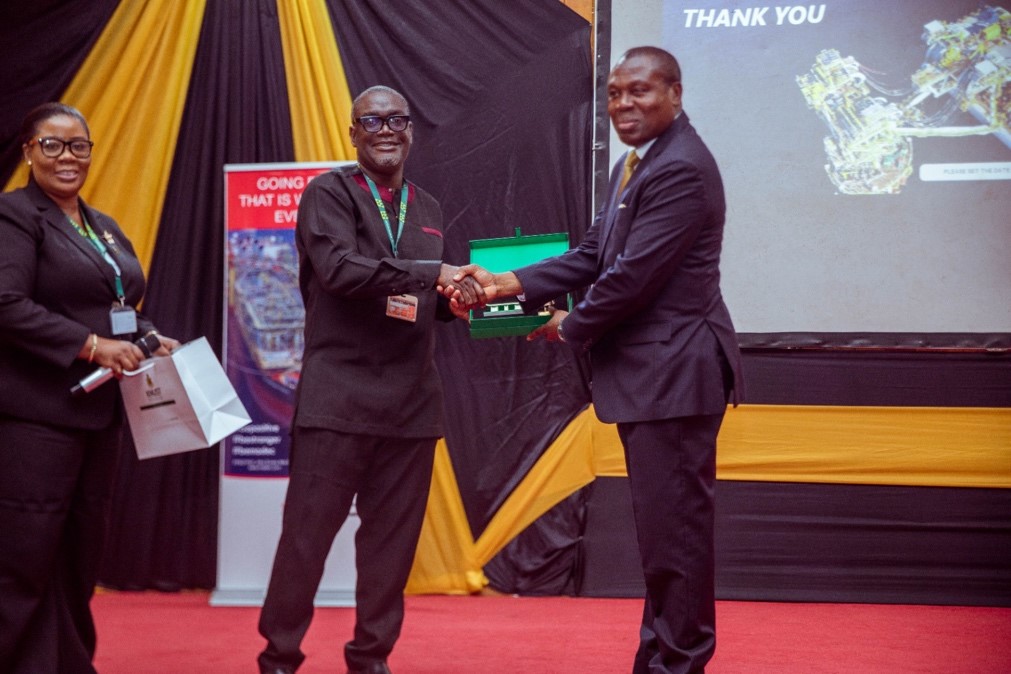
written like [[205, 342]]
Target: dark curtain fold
[[42, 45], [165, 510], [783, 377], [502, 101], [786, 541], [547, 558], [501, 96], [814, 542]]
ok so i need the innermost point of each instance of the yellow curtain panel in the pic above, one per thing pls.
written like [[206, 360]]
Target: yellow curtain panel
[[908, 446], [446, 561], [317, 88], [132, 90]]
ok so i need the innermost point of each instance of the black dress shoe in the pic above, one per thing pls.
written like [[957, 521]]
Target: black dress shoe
[[277, 670], [372, 668]]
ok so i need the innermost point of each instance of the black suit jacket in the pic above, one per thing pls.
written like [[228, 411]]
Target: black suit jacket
[[55, 290], [653, 318]]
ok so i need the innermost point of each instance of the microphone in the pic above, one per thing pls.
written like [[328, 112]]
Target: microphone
[[148, 344]]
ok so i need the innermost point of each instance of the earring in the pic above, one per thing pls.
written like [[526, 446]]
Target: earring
[[29, 162]]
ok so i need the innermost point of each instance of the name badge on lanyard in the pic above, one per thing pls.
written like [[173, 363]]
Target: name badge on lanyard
[[404, 307], [123, 319]]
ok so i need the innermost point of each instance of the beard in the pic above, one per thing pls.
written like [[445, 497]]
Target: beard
[[389, 161]]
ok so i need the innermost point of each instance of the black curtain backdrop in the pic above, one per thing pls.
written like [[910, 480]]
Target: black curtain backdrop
[[502, 106], [165, 514], [501, 95], [854, 543], [503, 111], [42, 45], [868, 543], [781, 541]]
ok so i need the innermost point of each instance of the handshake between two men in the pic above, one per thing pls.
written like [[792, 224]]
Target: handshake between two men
[[472, 286]]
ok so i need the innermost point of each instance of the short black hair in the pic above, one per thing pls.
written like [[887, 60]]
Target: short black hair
[[39, 114], [664, 61]]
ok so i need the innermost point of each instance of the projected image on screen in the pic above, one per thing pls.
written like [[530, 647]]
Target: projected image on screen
[[967, 68], [865, 150]]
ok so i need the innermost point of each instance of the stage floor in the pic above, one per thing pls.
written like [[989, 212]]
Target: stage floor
[[157, 633]]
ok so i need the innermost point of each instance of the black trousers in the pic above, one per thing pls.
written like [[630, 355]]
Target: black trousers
[[55, 490], [672, 474], [391, 478]]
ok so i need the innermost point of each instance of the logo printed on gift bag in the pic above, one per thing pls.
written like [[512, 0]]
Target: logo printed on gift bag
[[152, 393]]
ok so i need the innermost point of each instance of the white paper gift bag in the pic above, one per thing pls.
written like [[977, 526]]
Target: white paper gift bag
[[181, 402]]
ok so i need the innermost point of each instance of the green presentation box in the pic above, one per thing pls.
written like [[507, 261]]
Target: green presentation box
[[506, 319]]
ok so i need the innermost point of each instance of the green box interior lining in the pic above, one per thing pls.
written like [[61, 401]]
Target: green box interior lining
[[512, 252], [505, 254]]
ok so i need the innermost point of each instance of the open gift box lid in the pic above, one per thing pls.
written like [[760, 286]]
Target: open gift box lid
[[506, 319]]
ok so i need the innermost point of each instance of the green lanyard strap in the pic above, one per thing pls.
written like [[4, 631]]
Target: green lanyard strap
[[88, 233], [401, 216]]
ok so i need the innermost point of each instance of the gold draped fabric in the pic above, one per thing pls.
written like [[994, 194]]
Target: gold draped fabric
[[134, 113], [318, 91], [911, 446]]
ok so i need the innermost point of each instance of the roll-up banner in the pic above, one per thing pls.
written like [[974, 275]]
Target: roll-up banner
[[262, 352]]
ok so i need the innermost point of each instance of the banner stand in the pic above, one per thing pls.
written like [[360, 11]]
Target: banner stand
[[262, 353]]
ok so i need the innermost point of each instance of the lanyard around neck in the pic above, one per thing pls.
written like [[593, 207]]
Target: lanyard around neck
[[88, 233], [401, 216]]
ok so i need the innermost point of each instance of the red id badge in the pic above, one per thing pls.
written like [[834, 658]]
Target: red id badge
[[403, 307]]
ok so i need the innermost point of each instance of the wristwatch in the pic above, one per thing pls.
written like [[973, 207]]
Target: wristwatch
[[561, 337]]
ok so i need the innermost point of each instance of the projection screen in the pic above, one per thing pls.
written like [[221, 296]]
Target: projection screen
[[866, 153]]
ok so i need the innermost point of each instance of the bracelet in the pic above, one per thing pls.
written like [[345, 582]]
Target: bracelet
[[94, 347]]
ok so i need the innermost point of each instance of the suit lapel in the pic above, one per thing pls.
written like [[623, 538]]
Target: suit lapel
[[58, 220], [618, 202], [614, 204]]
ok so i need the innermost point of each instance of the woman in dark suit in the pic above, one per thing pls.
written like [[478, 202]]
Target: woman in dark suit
[[69, 282]]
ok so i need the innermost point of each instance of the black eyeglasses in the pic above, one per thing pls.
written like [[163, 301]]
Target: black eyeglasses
[[373, 123], [53, 147]]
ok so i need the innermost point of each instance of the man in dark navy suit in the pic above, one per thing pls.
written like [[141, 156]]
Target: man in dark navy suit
[[662, 346]]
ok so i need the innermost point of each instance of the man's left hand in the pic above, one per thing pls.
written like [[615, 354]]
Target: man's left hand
[[550, 331]]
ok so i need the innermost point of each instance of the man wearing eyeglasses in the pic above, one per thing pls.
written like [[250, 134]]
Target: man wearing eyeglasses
[[369, 402]]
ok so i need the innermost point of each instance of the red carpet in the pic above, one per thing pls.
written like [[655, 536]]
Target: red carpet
[[152, 633]]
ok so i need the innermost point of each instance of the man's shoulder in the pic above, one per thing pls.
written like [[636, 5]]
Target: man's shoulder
[[681, 143], [334, 182], [679, 132], [336, 174]]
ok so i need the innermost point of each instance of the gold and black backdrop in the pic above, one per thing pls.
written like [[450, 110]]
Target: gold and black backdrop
[[861, 468]]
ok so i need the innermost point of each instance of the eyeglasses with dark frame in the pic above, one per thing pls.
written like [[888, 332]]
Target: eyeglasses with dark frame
[[373, 123], [53, 147]]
